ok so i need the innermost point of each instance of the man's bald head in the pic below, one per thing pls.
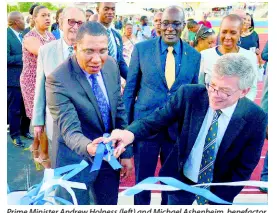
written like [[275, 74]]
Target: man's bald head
[[174, 9], [16, 21]]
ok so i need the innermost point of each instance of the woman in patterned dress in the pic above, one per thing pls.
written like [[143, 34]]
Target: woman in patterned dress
[[33, 40]]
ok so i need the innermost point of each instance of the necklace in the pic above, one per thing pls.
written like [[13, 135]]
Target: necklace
[[45, 38]]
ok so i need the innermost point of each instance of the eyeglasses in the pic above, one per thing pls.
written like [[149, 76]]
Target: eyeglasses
[[173, 25], [220, 93], [72, 22], [90, 52]]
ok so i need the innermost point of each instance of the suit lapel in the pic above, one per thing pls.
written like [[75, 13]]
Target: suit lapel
[[157, 51], [235, 126], [14, 36], [109, 88], [80, 76], [59, 48], [199, 111]]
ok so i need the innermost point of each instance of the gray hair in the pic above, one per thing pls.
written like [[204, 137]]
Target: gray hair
[[65, 11], [235, 64]]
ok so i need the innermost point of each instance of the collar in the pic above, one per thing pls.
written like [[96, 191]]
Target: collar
[[176, 46], [15, 32], [109, 28], [228, 111], [88, 75], [65, 44]]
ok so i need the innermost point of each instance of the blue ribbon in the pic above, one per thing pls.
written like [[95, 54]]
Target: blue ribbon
[[173, 184], [36, 195], [105, 151]]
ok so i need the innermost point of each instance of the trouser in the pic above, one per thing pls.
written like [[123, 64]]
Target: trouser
[[181, 197], [146, 154], [19, 123], [102, 191], [264, 175]]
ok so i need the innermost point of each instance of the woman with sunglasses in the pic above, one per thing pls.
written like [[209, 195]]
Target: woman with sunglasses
[[204, 39], [33, 40], [230, 32]]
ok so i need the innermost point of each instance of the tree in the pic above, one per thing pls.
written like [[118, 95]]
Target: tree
[[11, 8], [49, 5], [24, 6]]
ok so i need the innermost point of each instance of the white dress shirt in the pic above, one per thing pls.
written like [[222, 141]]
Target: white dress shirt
[[65, 49], [101, 83], [192, 165]]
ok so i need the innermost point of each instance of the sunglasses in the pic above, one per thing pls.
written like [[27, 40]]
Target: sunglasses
[[72, 22]]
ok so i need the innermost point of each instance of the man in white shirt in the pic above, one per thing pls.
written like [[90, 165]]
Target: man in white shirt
[[50, 57], [220, 132], [143, 31]]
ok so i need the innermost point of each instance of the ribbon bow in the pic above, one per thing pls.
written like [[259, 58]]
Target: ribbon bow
[[105, 151]]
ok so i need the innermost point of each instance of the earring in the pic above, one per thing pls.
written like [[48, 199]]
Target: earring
[[239, 42]]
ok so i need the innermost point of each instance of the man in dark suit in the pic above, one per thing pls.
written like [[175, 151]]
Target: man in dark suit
[[83, 114], [152, 79], [19, 123], [106, 13], [220, 132]]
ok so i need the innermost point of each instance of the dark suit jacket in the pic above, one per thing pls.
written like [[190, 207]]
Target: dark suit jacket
[[146, 78], [240, 148], [26, 31], [77, 118], [56, 33], [14, 59], [120, 60]]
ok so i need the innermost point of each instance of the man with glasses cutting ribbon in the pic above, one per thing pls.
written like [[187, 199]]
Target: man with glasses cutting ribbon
[[49, 58], [220, 132], [158, 68]]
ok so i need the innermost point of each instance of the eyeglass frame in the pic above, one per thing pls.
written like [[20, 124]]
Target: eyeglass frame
[[75, 22], [90, 54], [208, 86], [173, 25]]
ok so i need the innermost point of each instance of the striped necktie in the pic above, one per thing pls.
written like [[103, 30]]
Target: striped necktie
[[170, 67], [208, 157], [110, 45]]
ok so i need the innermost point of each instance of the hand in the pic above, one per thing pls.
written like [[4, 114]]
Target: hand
[[120, 139], [38, 130], [92, 147], [127, 169]]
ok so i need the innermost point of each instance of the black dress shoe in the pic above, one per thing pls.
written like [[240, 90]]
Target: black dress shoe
[[17, 142], [28, 136]]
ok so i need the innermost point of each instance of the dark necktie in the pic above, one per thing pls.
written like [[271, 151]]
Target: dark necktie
[[102, 103], [70, 50], [208, 157]]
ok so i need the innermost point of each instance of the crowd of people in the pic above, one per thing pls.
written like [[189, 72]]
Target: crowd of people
[[178, 92]]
